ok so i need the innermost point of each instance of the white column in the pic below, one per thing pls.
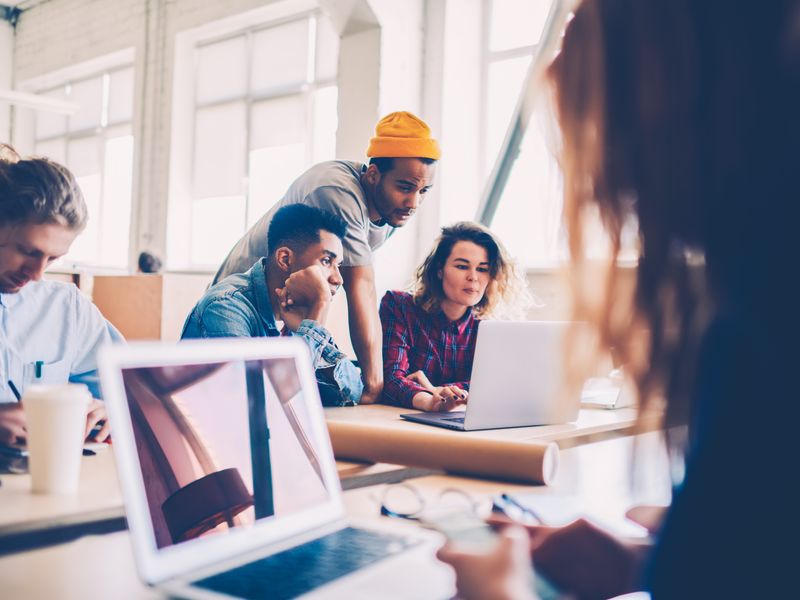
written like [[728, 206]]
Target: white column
[[358, 78], [6, 76], [460, 95], [400, 88]]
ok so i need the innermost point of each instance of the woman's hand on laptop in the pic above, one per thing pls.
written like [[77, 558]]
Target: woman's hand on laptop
[[441, 399], [436, 398], [420, 378]]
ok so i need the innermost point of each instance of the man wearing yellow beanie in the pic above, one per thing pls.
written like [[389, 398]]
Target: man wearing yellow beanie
[[373, 199]]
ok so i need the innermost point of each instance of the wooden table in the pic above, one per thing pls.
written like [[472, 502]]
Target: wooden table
[[599, 474], [29, 520], [593, 424]]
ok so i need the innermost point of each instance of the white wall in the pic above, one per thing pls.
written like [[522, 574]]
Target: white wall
[[400, 88], [6, 76], [380, 71], [451, 103]]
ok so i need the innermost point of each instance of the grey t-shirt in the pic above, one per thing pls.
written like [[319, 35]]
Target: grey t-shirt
[[334, 186]]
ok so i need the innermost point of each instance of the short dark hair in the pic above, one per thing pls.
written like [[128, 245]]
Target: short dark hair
[[298, 225], [385, 163], [38, 190], [149, 263]]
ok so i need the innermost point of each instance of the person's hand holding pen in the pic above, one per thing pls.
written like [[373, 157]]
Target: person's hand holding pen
[[507, 509], [97, 427], [436, 398], [12, 419], [12, 423]]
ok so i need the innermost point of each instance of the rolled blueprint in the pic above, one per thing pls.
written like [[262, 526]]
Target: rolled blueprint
[[454, 452]]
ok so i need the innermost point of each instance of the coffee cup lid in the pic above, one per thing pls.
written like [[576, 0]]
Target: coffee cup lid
[[57, 392]]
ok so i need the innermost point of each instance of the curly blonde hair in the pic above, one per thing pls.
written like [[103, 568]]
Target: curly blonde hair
[[506, 296]]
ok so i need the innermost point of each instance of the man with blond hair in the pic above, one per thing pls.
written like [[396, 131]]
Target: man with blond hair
[[49, 332]]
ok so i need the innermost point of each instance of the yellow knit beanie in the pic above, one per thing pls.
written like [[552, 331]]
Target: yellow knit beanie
[[401, 134]]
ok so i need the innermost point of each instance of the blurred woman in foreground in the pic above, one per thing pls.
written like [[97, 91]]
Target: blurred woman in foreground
[[684, 115]]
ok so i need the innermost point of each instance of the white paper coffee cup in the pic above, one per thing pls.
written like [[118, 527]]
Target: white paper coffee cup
[[55, 417]]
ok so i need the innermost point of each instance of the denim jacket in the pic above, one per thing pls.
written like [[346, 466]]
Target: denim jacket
[[239, 306]]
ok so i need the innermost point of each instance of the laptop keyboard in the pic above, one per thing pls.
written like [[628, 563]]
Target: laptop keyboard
[[301, 569]]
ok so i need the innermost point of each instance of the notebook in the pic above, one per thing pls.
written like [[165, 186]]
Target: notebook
[[516, 381], [230, 484]]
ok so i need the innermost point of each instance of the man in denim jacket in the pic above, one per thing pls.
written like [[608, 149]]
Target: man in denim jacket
[[296, 284]]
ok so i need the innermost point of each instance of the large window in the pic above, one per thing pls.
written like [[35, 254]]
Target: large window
[[528, 217], [264, 110], [96, 144], [529, 214]]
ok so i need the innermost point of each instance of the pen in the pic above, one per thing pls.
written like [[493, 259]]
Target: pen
[[14, 391], [13, 451], [522, 508]]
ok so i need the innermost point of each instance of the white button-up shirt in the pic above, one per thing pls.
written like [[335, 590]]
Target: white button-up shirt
[[50, 333]]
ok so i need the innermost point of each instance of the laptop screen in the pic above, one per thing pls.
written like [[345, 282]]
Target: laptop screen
[[223, 445]]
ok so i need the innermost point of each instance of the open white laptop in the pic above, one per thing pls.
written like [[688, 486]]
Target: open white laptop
[[229, 479], [517, 379]]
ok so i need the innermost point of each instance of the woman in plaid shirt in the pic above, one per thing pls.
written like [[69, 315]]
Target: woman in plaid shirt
[[429, 335]]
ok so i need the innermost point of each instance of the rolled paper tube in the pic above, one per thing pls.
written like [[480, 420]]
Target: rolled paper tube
[[528, 462]]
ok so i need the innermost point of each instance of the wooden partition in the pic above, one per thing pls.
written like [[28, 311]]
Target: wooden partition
[[148, 307]]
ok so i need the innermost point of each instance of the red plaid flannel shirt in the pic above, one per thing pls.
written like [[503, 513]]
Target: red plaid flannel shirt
[[414, 340]]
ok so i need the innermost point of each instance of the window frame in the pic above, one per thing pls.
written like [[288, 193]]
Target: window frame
[[304, 91], [488, 58], [102, 68]]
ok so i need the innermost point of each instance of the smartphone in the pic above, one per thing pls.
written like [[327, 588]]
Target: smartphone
[[463, 528], [508, 506]]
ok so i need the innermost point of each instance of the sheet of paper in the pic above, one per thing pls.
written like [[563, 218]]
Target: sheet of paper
[[605, 392]]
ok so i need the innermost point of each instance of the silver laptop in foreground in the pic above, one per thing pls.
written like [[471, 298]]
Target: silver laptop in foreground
[[517, 379], [230, 484]]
